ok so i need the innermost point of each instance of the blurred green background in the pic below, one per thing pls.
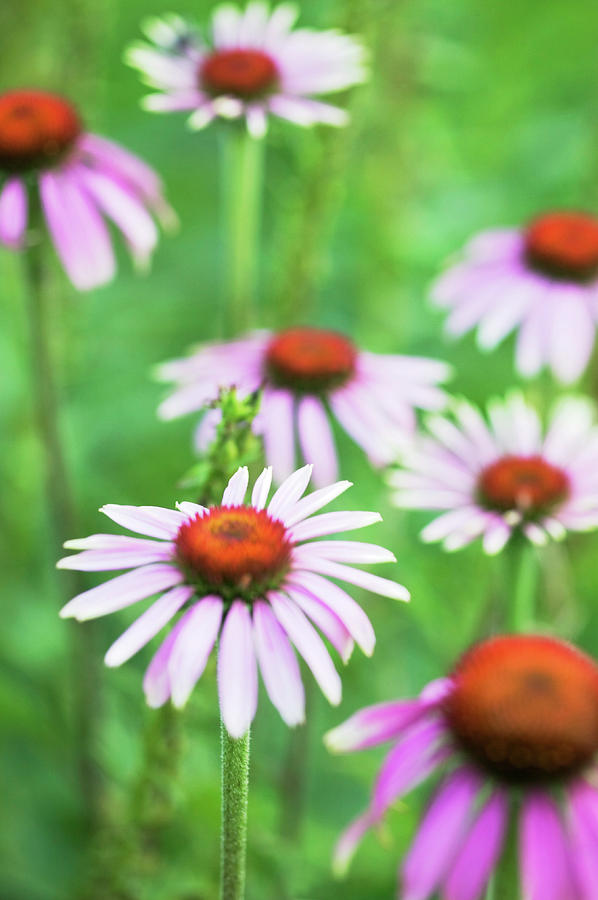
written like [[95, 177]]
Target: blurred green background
[[475, 115]]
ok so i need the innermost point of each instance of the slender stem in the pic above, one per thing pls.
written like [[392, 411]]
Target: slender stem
[[235, 789], [62, 518], [522, 588], [242, 177]]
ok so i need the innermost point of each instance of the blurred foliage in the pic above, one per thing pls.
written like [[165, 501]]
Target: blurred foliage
[[476, 115]]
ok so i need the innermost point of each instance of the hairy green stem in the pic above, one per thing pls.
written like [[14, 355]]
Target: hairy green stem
[[523, 580], [235, 788], [62, 520], [242, 178]]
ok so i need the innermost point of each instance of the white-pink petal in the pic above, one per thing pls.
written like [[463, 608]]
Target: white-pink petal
[[237, 671], [147, 625], [278, 665]]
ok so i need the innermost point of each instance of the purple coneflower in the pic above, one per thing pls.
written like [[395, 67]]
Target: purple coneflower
[[514, 730], [308, 373], [251, 64], [48, 161], [541, 279], [504, 476], [242, 575]]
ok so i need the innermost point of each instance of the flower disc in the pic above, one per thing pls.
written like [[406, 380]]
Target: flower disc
[[526, 707], [240, 73], [236, 548], [564, 245], [528, 484], [310, 360], [36, 129]]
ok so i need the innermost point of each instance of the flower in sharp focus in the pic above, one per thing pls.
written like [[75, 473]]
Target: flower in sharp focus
[[493, 478], [514, 732], [248, 575], [308, 373], [48, 161], [541, 279], [252, 64]]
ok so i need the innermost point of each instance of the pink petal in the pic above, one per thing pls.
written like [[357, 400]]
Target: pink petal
[[316, 440], [289, 492], [235, 491], [156, 681], [584, 837], [374, 583], [261, 489], [440, 835], [279, 436], [13, 212], [152, 520], [78, 231], [314, 501], [326, 620], [147, 625], [345, 607], [122, 591], [479, 854], [237, 671], [125, 210], [191, 651], [309, 644], [375, 725], [278, 665], [331, 523], [543, 851]]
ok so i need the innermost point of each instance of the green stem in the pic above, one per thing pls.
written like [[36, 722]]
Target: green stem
[[242, 177], [62, 519], [522, 588], [235, 789]]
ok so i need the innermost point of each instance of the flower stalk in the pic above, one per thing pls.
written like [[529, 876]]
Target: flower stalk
[[242, 182], [61, 513], [522, 582], [235, 790]]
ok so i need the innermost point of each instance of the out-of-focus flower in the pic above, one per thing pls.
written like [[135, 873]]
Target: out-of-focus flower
[[252, 64], [242, 575], [542, 280], [49, 163], [307, 373], [514, 725], [504, 476]]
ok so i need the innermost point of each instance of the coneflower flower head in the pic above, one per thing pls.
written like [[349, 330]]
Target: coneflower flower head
[[310, 375], [541, 280], [248, 575], [513, 731], [251, 64], [48, 160]]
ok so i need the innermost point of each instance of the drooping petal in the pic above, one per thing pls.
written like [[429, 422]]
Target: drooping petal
[[237, 671], [479, 854], [13, 212], [316, 440], [325, 619], [147, 625], [78, 231], [193, 646], [342, 604], [278, 429], [309, 644], [278, 665], [440, 835], [545, 865], [374, 725]]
